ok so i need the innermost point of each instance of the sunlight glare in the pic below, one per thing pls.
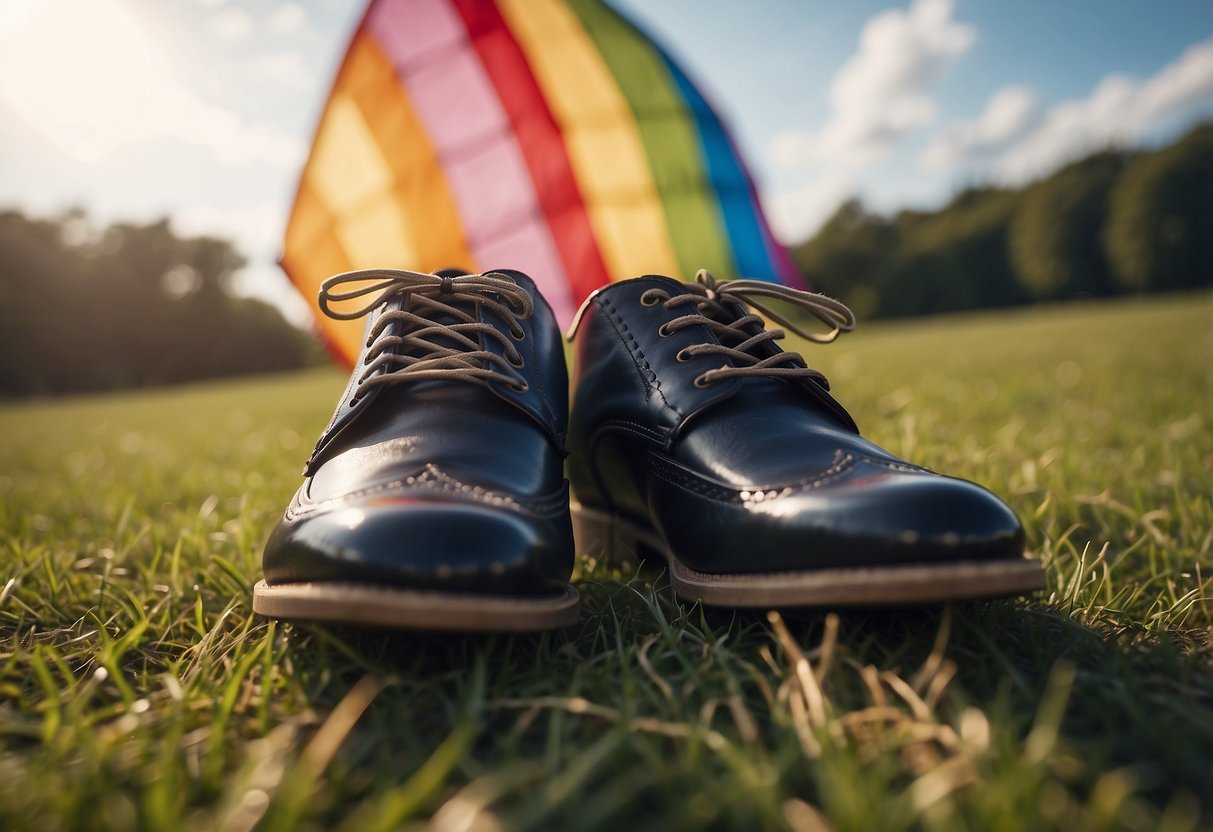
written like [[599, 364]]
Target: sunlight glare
[[79, 73]]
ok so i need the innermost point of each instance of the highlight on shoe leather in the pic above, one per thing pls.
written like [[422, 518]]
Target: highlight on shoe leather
[[553, 136]]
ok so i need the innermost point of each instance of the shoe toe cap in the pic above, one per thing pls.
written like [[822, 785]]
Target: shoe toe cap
[[873, 515], [937, 517], [423, 545]]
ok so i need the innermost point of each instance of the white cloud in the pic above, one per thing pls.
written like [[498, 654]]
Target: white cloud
[[287, 19], [254, 226], [117, 91], [286, 69], [232, 25], [232, 141], [879, 99], [795, 211], [1181, 84], [1119, 110], [1010, 113], [882, 94]]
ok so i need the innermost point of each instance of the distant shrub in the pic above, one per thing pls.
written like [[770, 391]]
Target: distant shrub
[[1159, 233], [1111, 222], [1055, 243], [84, 309]]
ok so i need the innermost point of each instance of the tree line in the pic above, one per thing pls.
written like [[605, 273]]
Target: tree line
[[1114, 222], [87, 309]]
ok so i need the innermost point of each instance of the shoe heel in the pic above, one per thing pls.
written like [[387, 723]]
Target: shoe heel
[[605, 536]]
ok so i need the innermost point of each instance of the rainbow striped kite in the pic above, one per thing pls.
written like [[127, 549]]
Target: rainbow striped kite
[[550, 136]]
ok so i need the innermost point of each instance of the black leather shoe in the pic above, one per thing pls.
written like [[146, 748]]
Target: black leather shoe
[[693, 434], [436, 497]]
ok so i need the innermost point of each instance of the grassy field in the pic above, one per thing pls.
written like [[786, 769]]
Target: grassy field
[[137, 689]]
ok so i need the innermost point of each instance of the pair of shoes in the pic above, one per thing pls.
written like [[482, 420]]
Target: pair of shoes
[[436, 498]]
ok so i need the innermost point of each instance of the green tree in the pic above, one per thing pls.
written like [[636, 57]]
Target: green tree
[[1055, 243], [952, 259], [86, 309], [1159, 233], [847, 258]]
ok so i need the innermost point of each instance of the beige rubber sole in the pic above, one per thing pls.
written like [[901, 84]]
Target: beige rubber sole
[[601, 534], [363, 605]]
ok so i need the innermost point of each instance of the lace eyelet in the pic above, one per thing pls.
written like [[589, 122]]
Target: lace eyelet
[[702, 381], [664, 331], [519, 363], [683, 356], [518, 334], [521, 388], [652, 297]]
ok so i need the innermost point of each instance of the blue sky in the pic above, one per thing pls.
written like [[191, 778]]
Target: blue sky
[[203, 109]]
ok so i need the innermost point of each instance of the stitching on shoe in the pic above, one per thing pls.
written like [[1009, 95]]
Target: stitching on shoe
[[666, 470], [643, 368], [693, 484], [898, 466], [634, 428], [435, 477], [432, 477], [543, 390], [842, 464]]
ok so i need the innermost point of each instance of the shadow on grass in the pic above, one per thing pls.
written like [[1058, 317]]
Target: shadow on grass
[[640, 654]]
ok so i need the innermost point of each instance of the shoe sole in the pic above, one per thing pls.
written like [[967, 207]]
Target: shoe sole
[[363, 605], [601, 533]]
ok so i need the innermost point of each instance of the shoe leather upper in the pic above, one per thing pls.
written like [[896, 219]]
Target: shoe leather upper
[[750, 474], [440, 484]]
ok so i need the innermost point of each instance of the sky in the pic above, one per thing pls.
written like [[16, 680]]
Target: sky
[[203, 110]]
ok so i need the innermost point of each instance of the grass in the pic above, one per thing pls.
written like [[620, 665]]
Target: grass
[[138, 690]]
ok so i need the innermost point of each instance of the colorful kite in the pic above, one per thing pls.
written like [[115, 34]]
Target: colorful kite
[[550, 136]]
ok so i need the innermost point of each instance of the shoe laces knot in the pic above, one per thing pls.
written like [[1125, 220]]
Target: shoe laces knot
[[742, 336], [439, 328]]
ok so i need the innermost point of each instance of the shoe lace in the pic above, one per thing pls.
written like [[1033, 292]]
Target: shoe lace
[[428, 345], [736, 339]]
